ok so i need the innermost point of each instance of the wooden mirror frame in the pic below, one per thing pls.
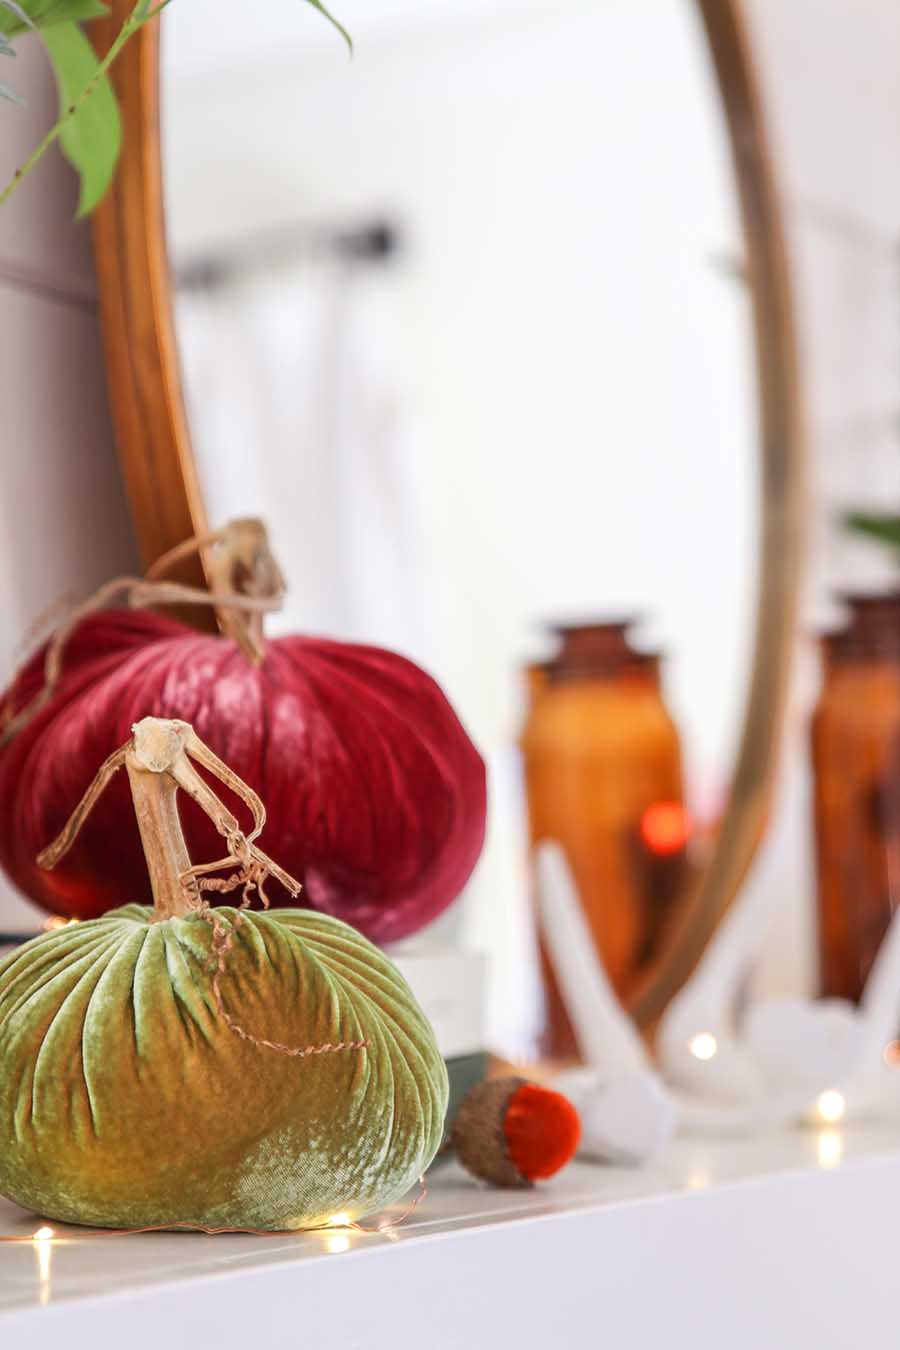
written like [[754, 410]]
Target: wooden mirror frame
[[163, 488]]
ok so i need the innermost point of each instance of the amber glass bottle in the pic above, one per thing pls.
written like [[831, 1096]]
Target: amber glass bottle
[[856, 766], [604, 779]]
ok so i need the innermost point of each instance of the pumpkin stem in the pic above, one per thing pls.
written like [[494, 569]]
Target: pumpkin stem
[[239, 566], [157, 759], [245, 584]]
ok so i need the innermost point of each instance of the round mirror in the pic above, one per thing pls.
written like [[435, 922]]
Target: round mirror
[[471, 320]]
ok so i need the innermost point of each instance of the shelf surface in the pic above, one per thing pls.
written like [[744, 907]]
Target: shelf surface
[[786, 1239]]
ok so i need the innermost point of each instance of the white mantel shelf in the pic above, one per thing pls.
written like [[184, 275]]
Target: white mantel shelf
[[787, 1241]]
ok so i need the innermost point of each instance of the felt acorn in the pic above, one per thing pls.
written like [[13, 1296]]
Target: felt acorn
[[510, 1132]]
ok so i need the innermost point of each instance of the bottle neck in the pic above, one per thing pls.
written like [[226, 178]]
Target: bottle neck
[[599, 652]]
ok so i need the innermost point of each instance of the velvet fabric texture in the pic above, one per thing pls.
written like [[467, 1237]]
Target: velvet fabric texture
[[126, 1099], [376, 797]]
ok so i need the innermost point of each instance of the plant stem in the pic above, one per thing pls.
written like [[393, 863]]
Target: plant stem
[[129, 27]]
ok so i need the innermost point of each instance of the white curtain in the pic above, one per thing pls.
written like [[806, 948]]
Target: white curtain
[[299, 415], [302, 414]]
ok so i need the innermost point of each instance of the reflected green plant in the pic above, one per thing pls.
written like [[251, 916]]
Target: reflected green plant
[[883, 527]]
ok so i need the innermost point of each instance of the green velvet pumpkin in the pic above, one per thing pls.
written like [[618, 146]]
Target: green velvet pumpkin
[[127, 1100]]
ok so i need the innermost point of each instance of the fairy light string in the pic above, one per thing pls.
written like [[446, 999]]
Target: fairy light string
[[46, 1234]]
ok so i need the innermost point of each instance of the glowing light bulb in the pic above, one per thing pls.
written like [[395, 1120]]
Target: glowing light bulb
[[831, 1106], [42, 1238], [665, 828], [704, 1045], [829, 1148], [339, 1220]]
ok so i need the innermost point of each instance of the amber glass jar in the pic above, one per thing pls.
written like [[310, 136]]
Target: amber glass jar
[[603, 776], [856, 767]]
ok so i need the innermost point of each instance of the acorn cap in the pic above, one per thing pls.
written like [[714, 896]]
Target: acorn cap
[[510, 1132]]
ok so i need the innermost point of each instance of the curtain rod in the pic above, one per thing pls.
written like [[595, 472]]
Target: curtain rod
[[378, 241]]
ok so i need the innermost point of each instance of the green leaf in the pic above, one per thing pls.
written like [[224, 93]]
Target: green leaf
[[143, 13], [92, 137], [71, 11], [317, 4], [13, 18], [43, 13], [884, 528]]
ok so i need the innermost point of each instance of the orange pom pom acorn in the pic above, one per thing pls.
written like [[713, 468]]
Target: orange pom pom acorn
[[510, 1132]]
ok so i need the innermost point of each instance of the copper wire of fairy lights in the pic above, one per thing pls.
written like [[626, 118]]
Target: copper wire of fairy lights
[[88, 1234]]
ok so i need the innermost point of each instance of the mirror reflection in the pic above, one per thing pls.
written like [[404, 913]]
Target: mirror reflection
[[465, 321]]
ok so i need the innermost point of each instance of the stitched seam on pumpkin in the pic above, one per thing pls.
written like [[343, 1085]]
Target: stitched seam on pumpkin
[[341, 673], [17, 1098], [179, 968], [196, 968], [353, 682], [50, 952], [392, 1123], [36, 1068], [408, 1052], [297, 1052], [57, 971], [334, 937], [122, 953], [329, 977], [431, 747], [350, 758], [134, 1002], [20, 1097], [398, 1003], [276, 939], [426, 1136], [222, 944], [47, 951], [82, 1049]]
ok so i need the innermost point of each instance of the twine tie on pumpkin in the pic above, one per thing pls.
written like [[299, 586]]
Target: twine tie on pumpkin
[[158, 760], [236, 555]]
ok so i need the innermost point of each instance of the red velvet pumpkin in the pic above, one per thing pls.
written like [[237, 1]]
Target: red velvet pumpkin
[[375, 794]]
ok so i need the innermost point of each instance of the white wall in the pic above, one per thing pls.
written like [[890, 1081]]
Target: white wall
[[63, 522]]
